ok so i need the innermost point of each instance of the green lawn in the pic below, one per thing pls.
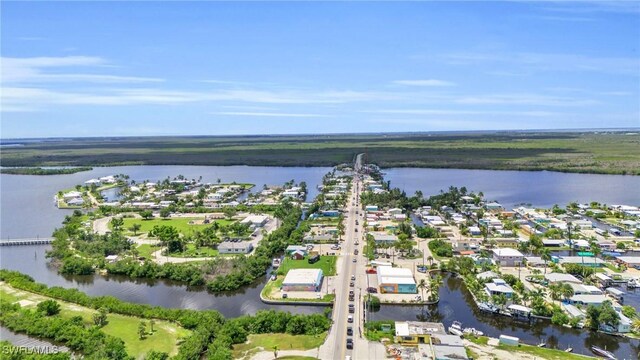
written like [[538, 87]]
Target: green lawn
[[165, 337], [544, 353], [146, 250], [182, 224], [326, 263], [282, 341]]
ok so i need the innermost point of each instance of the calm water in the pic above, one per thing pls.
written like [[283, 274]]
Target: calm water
[[26, 202], [31, 260], [539, 188], [456, 303]]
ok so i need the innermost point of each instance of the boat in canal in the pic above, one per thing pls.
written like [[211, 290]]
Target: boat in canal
[[602, 352], [472, 331], [456, 328]]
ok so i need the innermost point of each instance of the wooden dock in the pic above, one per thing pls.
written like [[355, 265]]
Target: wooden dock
[[26, 241]]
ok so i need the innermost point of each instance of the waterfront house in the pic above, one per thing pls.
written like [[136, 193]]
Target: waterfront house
[[75, 202], [519, 310], [474, 231], [395, 211], [553, 242], [498, 287], [228, 247], [505, 242], [582, 260], [303, 280], [507, 257], [587, 299], [629, 261], [534, 261], [371, 208], [562, 278], [255, 220], [71, 195], [603, 280], [330, 213], [92, 182], [396, 280], [412, 333], [494, 206]]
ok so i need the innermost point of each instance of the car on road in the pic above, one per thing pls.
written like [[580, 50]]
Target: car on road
[[371, 271], [354, 260], [357, 222], [349, 343], [422, 269], [352, 308], [353, 277], [350, 331], [355, 252], [352, 284], [356, 243], [356, 229], [350, 318], [335, 247], [372, 290]]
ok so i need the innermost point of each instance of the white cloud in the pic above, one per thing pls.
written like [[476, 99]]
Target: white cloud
[[446, 112], [34, 70], [268, 114], [425, 82], [524, 99]]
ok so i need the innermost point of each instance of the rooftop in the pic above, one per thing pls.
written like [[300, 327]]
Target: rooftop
[[507, 252], [410, 328], [302, 276]]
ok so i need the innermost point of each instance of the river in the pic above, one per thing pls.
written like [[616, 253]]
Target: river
[[456, 304]]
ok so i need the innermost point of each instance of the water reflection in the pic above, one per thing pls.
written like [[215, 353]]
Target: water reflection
[[456, 304]]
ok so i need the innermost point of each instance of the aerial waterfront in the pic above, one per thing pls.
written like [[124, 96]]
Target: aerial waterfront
[[302, 180]]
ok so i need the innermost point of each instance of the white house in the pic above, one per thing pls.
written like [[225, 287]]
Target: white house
[[498, 287], [507, 257]]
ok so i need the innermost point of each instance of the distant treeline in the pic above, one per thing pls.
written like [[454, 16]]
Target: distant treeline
[[581, 152], [41, 171]]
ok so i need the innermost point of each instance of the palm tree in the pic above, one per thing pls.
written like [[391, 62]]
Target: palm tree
[[275, 351], [546, 256], [555, 291], [430, 260], [567, 291], [422, 285]]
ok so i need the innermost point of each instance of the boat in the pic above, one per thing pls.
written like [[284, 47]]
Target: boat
[[273, 277], [602, 352], [456, 328], [473, 331], [275, 263], [542, 344], [633, 283], [569, 349]]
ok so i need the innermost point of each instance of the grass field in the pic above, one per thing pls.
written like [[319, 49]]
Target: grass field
[[544, 353], [266, 342], [326, 263], [605, 152], [193, 251], [182, 224], [165, 336], [146, 250]]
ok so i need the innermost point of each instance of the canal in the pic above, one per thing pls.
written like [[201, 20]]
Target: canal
[[456, 304]]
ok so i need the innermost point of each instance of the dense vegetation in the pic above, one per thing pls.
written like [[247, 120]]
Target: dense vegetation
[[441, 248], [211, 332], [613, 153], [221, 274], [41, 171]]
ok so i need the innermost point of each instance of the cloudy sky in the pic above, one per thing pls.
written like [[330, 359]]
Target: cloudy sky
[[215, 68]]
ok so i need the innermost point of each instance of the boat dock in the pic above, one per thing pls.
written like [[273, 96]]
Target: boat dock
[[26, 241]]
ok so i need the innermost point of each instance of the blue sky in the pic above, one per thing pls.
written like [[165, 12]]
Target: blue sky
[[215, 68]]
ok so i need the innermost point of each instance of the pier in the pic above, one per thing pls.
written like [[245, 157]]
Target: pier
[[26, 241]]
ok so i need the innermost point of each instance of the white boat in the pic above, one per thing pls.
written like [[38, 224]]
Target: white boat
[[473, 331], [602, 352], [456, 328], [542, 344], [569, 349]]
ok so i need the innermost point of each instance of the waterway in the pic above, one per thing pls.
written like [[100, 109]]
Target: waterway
[[511, 188], [456, 304]]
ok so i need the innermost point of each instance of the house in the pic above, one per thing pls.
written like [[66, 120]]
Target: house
[[293, 248], [71, 195], [303, 280], [384, 238], [92, 182], [298, 255], [109, 179], [561, 278], [416, 332], [255, 220], [553, 242], [498, 287], [227, 247], [395, 211], [474, 231], [396, 280], [487, 275], [587, 299], [629, 261], [603, 280], [507, 257], [371, 208], [505, 242], [582, 260], [494, 206], [330, 213], [534, 261], [75, 202], [519, 310]]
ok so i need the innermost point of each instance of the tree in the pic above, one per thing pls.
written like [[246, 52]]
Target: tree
[[100, 317], [151, 324], [135, 228], [142, 329], [629, 311], [546, 257], [49, 307], [229, 212], [117, 223], [165, 212], [422, 285], [608, 315], [567, 291], [555, 291], [146, 214], [275, 352]]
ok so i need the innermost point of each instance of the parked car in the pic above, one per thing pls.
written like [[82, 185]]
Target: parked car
[[354, 260], [355, 252], [350, 318], [349, 344], [350, 331], [371, 271], [352, 284], [372, 290]]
